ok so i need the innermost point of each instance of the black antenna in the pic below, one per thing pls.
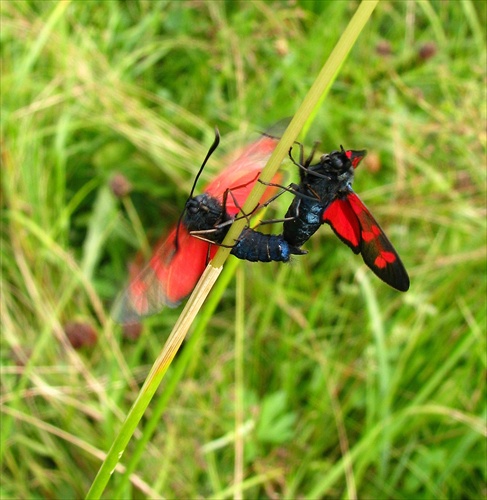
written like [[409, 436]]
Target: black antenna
[[215, 144]]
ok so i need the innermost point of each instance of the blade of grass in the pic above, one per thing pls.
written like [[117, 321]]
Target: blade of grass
[[393, 423], [177, 373], [382, 376], [35, 51], [239, 386], [153, 380], [310, 103]]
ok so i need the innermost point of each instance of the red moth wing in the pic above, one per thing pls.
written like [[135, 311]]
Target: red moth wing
[[172, 273], [352, 222], [376, 249], [167, 279], [340, 214], [344, 222], [240, 176], [178, 271]]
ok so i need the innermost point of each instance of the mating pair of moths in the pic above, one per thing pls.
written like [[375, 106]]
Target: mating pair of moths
[[324, 194]]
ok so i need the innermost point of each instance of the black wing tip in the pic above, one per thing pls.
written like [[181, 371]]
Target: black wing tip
[[403, 284], [399, 281]]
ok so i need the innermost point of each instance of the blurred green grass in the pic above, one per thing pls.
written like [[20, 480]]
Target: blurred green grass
[[351, 389]]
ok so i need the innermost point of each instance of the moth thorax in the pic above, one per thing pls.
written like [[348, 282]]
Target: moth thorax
[[202, 212], [347, 176]]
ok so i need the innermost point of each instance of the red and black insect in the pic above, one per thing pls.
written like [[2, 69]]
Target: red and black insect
[[325, 194], [179, 260]]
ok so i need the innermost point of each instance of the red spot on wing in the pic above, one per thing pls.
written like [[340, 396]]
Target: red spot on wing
[[384, 258], [374, 233], [344, 222], [355, 156]]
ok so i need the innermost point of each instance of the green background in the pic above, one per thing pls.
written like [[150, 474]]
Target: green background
[[351, 389]]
